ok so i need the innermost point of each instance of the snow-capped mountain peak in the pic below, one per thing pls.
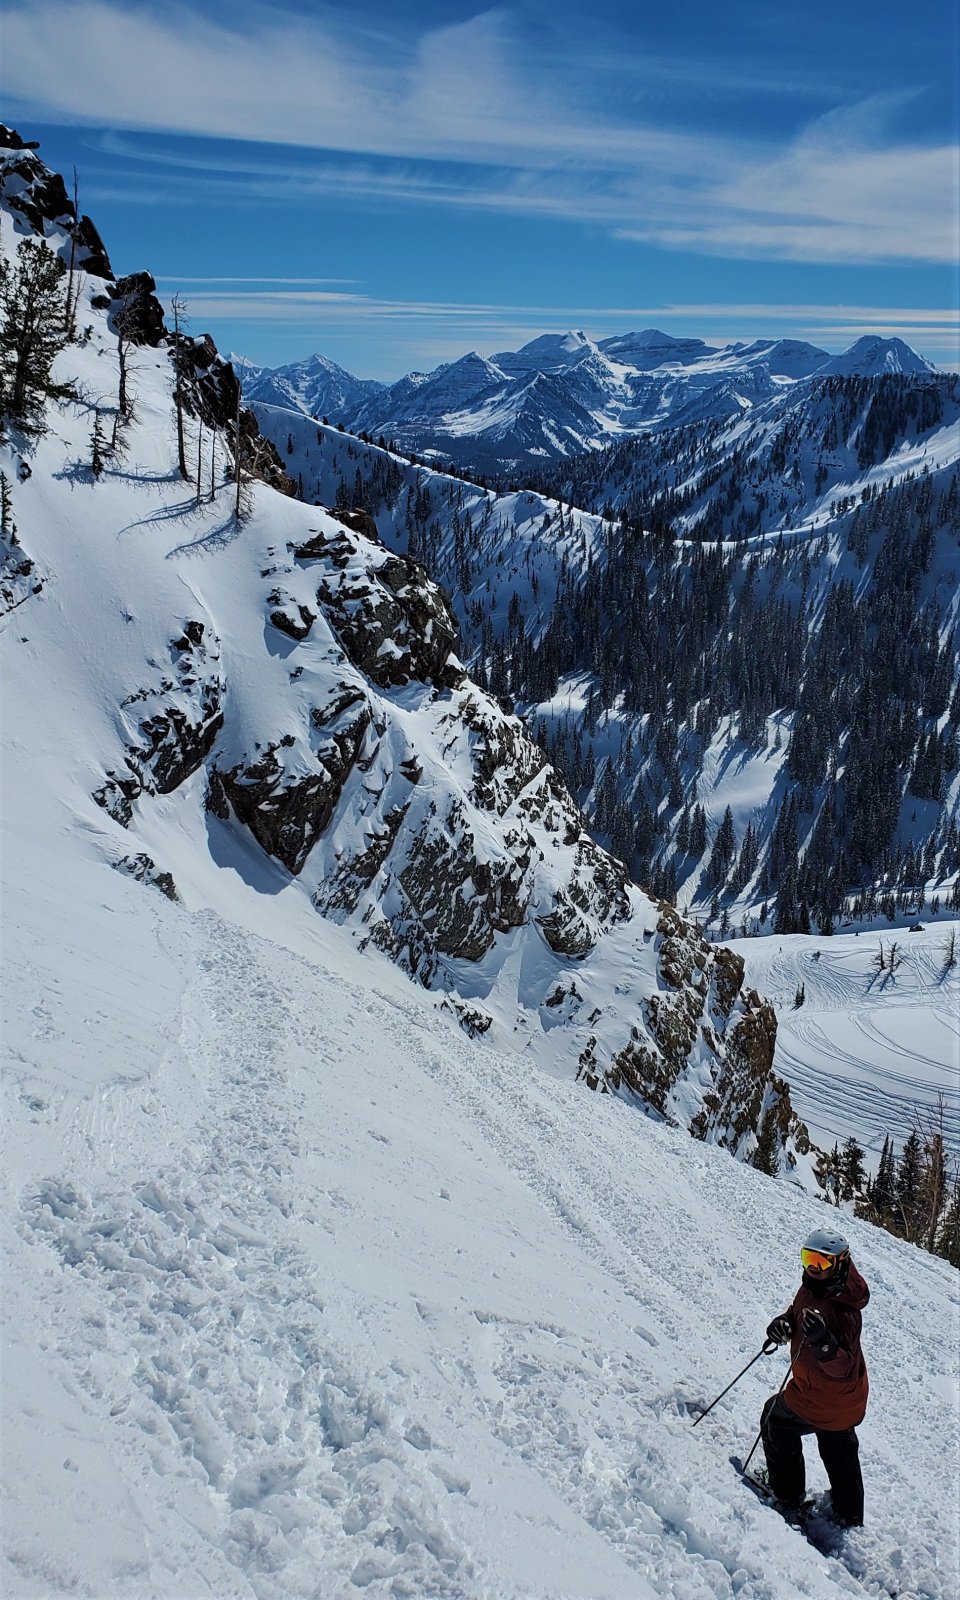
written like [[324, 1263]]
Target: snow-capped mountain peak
[[476, 410], [316, 386], [651, 348], [550, 352], [874, 356]]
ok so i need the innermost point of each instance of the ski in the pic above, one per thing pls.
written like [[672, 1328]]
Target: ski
[[796, 1516]]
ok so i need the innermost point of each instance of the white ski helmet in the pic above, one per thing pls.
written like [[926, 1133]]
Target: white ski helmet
[[825, 1254]]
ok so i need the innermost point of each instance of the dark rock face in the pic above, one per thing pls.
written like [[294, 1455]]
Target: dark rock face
[[92, 252], [594, 896], [598, 882], [136, 309], [145, 870], [566, 931], [180, 733], [117, 795], [705, 999], [174, 724], [505, 760], [289, 615], [359, 521], [11, 140], [745, 1081], [19, 578], [394, 623], [288, 808], [177, 747], [341, 893], [211, 391], [472, 1019], [40, 196], [461, 897], [673, 1019]]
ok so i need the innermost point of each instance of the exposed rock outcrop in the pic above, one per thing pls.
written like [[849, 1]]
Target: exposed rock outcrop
[[171, 726], [145, 870], [286, 797], [40, 197], [212, 392], [136, 310], [19, 578], [393, 621]]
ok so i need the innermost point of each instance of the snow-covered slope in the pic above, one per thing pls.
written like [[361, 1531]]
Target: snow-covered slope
[[561, 394], [871, 1050], [278, 694], [305, 1294]]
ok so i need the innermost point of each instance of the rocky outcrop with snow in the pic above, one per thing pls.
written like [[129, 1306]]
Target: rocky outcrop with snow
[[277, 695]]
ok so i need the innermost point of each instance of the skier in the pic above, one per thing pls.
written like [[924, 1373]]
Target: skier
[[827, 1390]]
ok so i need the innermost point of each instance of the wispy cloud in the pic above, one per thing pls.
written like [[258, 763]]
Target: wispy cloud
[[439, 330], [453, 91], [190, 277], [464, 114]]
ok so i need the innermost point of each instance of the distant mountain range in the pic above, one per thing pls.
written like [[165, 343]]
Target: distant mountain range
[[563, 394], [736, 639]]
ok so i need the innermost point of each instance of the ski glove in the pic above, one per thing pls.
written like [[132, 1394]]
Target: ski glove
[[822, 1342], [781, 1329]]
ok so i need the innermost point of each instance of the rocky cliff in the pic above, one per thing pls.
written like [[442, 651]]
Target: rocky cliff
[[279, 685]]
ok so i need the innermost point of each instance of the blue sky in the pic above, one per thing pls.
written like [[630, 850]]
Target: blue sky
[[394, 184]]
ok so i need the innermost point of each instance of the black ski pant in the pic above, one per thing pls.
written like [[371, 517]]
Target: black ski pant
[[782, 1433]]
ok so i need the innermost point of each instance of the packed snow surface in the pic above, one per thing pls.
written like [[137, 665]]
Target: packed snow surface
[[872, 1049], [307, 1294]]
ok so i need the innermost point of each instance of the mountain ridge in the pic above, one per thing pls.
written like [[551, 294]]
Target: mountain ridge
[[562, 394], [734, 557]]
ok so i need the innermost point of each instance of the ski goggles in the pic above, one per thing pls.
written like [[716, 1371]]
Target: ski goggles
[[816, 1262]]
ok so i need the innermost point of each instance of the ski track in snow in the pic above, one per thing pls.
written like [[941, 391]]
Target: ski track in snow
[[222, 1322], [869, 1051], [355, 1306]]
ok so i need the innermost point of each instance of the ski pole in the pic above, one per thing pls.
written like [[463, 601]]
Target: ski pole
[[760, 1434], [767, 1349]]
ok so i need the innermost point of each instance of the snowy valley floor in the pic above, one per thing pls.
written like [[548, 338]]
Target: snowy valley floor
[[307, 1295], [870, 1050]]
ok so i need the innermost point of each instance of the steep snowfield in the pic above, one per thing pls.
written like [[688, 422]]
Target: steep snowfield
[[307, 1295], [870, 1050], [445, 840]]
